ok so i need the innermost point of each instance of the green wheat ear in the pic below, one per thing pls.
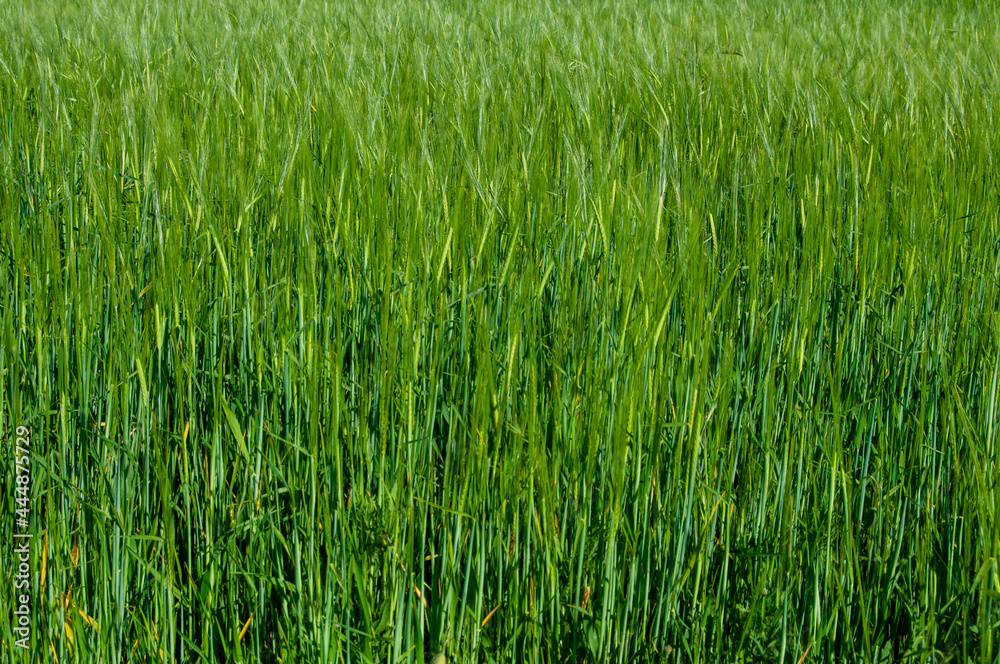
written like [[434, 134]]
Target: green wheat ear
[[438, 659]]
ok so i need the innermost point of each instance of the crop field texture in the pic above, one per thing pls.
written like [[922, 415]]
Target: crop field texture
[[514, 331]]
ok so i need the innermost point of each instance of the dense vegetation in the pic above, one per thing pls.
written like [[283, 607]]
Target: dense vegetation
[[525, 332]]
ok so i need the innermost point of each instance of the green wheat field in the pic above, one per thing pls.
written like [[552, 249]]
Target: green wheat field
[[528, 332]]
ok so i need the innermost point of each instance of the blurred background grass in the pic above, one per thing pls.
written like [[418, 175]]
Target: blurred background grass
[[622, 332]]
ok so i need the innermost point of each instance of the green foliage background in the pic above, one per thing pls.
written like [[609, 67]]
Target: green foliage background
[[529, 332]]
